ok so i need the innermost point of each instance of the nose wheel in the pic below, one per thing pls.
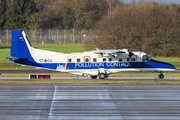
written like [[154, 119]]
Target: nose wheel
[[160, 76]]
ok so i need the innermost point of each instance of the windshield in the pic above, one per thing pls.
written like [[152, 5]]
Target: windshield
[[149, 57], [146, 58]]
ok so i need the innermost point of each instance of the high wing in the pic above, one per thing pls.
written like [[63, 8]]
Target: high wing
[[109, 51], [115, 53]]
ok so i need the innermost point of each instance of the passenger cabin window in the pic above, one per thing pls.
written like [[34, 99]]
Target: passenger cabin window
[[94, 60], [78, 60], [87, 60], [133, 59], [104, 59], [69, 60], [120, 60], [128, 59], [110, 59]]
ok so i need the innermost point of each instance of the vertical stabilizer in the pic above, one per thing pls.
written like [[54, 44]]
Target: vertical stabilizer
[[20, 45]]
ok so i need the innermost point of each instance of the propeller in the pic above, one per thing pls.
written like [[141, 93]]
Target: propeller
[[131, 54]]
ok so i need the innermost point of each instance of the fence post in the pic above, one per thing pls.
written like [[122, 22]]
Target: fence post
[[90, 35], [32, 35], [45, 38], [73, 35], [35, 35], [64, 35], [40, 35], [7, 38], [57, 37], [49, 33]]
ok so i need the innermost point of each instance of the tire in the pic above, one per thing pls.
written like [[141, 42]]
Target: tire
[[160, 76], [93, 77], [102, 76]]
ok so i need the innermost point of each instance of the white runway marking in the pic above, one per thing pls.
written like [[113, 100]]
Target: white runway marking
[[53, 98]]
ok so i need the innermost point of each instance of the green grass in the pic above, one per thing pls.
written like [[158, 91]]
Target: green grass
[[4, 51], [166, 59], [67, 48]]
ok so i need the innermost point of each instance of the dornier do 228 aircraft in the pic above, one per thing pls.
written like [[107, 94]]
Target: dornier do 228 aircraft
[[91, 63]]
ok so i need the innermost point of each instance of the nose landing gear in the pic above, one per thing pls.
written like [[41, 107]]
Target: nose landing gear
[[161, 76]]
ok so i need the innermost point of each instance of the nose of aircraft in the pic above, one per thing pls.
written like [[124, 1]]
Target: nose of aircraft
[[172, 66], [165, 65]]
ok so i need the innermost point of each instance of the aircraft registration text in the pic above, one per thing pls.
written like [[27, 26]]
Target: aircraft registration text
[[45, 60]]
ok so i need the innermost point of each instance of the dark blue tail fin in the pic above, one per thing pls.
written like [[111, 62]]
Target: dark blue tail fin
[[20, 45]]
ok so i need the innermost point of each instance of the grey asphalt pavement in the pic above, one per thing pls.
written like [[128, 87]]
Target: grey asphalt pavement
[[89, 102]]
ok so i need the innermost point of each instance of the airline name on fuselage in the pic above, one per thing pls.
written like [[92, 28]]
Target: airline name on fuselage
[[102, 64]]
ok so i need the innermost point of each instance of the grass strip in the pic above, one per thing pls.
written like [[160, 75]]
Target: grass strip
[[94, 82], [112, 75]]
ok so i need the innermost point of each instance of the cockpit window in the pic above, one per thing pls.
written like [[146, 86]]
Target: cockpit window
[[146, 58], [149, 57]]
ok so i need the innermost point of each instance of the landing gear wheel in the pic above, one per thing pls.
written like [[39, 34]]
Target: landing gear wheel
[[93, 77], [161, 76], [102, 76]]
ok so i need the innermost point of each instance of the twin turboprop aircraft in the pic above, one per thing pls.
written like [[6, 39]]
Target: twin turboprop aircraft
[[91, 63]]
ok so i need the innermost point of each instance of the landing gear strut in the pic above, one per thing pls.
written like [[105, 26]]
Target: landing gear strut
[[161, 76]]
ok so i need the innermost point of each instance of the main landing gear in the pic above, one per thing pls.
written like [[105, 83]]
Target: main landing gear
[[161, 76], [103, 76], [93, 77]]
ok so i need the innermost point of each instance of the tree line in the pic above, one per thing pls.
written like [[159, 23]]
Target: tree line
[[145, 26], [139, 26], [61, 14]]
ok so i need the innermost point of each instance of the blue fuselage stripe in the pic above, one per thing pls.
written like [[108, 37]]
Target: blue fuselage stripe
[[91, 65]]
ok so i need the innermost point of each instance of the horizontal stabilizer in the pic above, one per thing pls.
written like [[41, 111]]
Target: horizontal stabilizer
[[15, 59], [10, 59]]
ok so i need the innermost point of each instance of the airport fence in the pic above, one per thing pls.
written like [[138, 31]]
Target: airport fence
[[51, 36]]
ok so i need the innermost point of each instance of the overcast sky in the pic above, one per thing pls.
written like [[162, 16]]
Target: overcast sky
[[161, 1]]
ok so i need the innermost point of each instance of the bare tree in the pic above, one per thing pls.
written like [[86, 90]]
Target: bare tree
[[110, 2]]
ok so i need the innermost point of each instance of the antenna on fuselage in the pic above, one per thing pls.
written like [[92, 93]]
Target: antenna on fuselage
[[96, 48]]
